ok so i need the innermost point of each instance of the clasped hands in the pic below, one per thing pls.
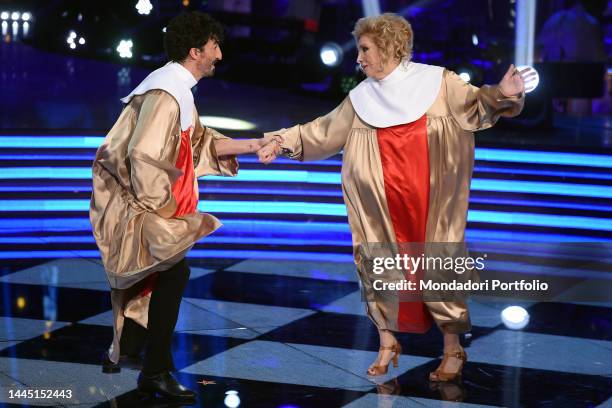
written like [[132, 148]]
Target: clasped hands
[[270, 148]]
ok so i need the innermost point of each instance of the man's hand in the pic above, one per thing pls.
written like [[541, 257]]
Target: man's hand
[[513, 82], [270, 148]]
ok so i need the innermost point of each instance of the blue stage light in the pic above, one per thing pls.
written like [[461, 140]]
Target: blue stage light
[[542, 187], [488, 154], [56, 142], [329, 209], [304, 176], [492, 235], [540, 220], [291, 229], [543, 172], [537, 157], [531, 203], [84, 173], [241, 207], [194, 253], [305, 240]]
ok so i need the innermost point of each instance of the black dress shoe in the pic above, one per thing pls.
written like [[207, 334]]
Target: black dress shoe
[[108, 367], [164, 384]]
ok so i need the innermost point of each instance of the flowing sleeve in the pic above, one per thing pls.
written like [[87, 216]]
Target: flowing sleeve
[[205, 158], [321, 138], [151, 175], [478, 108]]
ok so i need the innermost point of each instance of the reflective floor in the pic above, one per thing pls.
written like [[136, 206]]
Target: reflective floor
[[272, 315], [292, 334]]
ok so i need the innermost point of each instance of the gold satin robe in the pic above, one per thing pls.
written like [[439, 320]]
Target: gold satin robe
[[132, 204], [458, 111]]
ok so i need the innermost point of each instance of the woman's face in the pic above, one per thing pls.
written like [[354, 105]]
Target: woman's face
[[369, 58]]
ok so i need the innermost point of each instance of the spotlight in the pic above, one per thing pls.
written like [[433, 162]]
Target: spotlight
[[465, 76], [532, 83], [4, 28], [331, 54], [232, 400], [15, 15], [21, 302], [144, 7], [4, 15], [222, 122], [26, 16], [81, 40], [71, 39], [125, 48], [515, 317], [474, 39]]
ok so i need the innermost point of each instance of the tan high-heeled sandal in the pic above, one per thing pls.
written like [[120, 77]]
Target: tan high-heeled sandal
[[439, 375], [382, 370]]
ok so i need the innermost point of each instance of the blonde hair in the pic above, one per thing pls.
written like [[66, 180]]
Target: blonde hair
[[391, 33]]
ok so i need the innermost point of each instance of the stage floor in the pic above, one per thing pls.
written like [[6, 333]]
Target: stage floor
[[272, 315], [283, 333]]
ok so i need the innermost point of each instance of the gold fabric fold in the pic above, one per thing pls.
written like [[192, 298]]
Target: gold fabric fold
[[132, 202], [478, 108], [205, 158], [459, 110], [132, 206]]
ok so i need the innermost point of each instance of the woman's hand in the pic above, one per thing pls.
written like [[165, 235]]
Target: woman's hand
[[263, 141], [513, 82]]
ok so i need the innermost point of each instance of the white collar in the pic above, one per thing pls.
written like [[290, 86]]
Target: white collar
[[177, 81], [401, 97]]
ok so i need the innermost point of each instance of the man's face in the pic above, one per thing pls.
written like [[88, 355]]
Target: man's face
[[207, 57]]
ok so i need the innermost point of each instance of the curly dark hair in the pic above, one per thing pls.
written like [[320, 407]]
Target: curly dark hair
[[190, 30]]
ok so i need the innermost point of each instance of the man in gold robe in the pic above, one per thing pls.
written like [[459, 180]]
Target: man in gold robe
[[145, 195]]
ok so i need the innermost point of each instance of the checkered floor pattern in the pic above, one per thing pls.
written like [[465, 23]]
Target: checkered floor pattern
[[291, 334]]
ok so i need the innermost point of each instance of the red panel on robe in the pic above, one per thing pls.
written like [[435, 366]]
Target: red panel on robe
[[405, 163], [183, 192]]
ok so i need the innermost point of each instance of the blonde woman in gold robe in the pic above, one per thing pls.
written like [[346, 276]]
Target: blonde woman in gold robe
[[406, 133]]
